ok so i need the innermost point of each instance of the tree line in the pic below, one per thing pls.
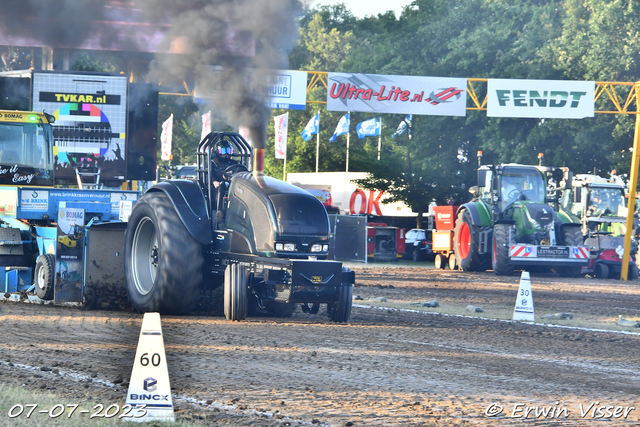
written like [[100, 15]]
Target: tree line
[[590, 40]]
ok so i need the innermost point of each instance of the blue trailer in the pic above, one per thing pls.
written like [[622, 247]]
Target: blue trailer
[[56, 244]]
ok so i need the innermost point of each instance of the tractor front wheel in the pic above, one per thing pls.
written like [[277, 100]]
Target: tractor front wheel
[[501, 246], [571, 236], [235, 292], [163, 262], [340, 311]]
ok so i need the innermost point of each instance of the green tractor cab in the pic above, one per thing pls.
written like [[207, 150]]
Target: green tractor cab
[[513, 221]]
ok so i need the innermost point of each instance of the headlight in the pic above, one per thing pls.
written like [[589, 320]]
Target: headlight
[[325, 248], [288, 247], [316, 248]]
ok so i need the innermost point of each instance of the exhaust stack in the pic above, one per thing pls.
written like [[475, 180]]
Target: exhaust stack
[[258, 135]]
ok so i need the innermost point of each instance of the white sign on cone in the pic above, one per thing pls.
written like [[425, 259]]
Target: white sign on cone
[[524, 301], [149, 384]]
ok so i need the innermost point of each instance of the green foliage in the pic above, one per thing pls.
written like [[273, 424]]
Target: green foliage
[[532, 39], [549, 39], [85, 62]]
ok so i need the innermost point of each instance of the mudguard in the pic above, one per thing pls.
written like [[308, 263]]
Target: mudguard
[[480, 216], [191, 206]]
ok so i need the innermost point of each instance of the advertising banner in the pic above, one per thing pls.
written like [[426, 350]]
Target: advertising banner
[[91, 121], [206, 125], [284, 89], [550, 99], [377, 93], [69, 251], [281, 130], [166, 137]]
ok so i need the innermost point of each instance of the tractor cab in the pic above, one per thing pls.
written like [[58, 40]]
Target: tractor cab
[[26, 148], [505, 185], [594, 196]]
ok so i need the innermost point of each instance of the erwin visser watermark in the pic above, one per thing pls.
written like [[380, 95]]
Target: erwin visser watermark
[[594, 410]]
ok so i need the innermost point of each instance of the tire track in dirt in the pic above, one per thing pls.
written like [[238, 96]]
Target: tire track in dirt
[[386, 367]]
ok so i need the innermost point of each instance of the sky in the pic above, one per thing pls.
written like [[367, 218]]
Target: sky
[[362, 8]]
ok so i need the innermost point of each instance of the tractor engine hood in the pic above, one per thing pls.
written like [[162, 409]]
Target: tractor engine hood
[[267, 211], [536, 216]]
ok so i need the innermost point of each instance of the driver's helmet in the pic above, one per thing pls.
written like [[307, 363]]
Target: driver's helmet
[[224, 149]]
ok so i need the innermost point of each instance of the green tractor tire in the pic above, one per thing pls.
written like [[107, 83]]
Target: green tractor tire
[[500, 253], [571, 236]]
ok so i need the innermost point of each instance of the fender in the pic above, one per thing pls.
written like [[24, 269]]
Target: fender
[[190, 204], [479, 214], [567, 217]]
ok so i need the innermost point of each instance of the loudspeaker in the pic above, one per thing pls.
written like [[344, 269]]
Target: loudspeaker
[[15, 94], [142, 132]]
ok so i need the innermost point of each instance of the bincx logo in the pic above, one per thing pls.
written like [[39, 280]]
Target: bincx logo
[[150, 384]]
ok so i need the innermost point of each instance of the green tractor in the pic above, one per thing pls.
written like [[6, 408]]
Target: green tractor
[[511, 223]]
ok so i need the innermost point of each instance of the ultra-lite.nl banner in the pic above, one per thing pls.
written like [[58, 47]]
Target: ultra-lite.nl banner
[[377, 93], [549, 99]]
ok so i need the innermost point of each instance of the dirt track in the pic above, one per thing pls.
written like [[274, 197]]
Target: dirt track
[[386, 367]]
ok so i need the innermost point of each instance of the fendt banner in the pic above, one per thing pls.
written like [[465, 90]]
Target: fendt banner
[[549, 99], [377, 93]]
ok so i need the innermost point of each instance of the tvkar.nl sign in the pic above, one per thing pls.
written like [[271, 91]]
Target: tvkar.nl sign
[[552, 99]]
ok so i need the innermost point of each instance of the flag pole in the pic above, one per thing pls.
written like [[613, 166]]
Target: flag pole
[[284, 171], [348, 113], [317, 147], [380, 138]]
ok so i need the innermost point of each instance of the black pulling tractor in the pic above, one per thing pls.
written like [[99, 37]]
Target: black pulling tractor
[[269, 249]]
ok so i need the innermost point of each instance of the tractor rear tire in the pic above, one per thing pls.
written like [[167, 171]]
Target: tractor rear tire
[[467, 244], [632, 272], [571, 236], [236, 303], [340, 311], [163, 262], [44, 275], [501, 247]]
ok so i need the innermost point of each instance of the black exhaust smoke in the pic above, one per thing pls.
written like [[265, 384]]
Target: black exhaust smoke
[[233, 46]]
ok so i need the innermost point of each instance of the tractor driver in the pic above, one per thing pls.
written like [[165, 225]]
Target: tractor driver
[[221, 161], [510, 192], [599, 203]]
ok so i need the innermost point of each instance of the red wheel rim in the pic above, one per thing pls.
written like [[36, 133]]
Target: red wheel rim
[[464, 241]]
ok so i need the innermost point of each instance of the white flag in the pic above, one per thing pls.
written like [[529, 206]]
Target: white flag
[[165, 138], [281, 127], [246, 134], [206, 125]]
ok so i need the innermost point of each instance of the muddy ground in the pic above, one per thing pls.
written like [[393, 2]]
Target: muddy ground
[[386, 367]]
